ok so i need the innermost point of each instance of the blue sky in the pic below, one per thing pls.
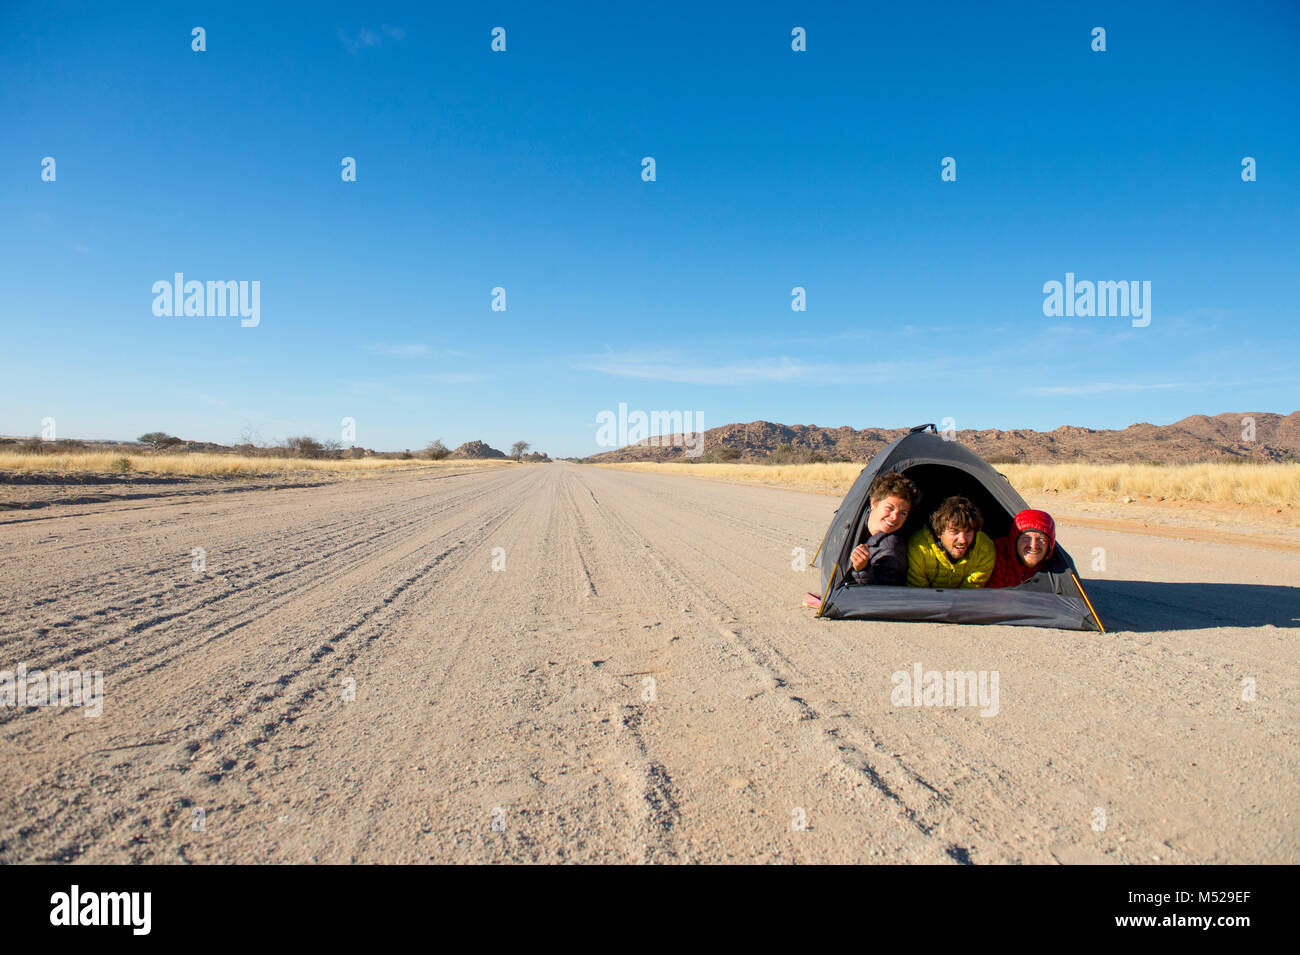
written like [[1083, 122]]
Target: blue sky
[[522, 170]]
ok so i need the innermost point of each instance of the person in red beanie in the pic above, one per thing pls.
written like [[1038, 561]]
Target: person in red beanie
[[1024, 551]]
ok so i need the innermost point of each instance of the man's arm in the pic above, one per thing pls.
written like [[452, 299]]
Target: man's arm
[[982, 562], [916, 575]]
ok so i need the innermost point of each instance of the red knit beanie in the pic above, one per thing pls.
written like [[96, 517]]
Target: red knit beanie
[[1031, 520]]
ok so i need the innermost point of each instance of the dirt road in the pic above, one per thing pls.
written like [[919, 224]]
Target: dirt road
[[639, 683]]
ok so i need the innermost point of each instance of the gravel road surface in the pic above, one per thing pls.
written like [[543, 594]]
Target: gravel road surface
[[562, 663]]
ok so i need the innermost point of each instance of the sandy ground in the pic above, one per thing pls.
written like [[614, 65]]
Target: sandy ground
[[639, 684]]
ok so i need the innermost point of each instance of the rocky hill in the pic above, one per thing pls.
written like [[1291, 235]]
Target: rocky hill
[[476, 449], [1260, 436]]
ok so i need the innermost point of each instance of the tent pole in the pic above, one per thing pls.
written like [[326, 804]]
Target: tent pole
[[1087, 601], [823, 541], [831, 583]]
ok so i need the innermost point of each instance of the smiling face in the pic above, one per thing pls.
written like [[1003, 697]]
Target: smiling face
[[1033, 547], [957, 540], [887, 515]]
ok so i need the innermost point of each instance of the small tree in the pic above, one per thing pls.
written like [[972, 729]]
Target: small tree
[[303, 447], [518, 448], [436, 450], [157, 440]]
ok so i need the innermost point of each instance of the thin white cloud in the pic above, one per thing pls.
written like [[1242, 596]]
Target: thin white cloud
[[399, 351], [681, 369], [1200, 384], [1104, 387], [882, 333], [454, 377], [388, 390], [407, 389], [366, 37]]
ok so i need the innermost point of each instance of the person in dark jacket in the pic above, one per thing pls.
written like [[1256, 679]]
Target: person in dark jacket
[[882, 557], [1024, 551]]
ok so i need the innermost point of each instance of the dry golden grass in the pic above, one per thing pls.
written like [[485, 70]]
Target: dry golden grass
[[818, 477], [215, 465], [1273, 484]]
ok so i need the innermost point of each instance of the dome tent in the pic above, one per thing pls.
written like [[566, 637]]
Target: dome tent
[[941, 468]]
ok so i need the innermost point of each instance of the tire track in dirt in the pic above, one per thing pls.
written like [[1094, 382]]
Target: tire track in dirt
[[253, 709], [913, 797], [344, 646], [528, 814], [315, 541]]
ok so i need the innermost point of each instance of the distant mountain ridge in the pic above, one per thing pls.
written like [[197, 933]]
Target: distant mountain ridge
[[1255, 436], [470, 449]]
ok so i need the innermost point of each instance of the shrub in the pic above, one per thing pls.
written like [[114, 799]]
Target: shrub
[[436, 450], [120, 465], [304, 447], [786, 454]]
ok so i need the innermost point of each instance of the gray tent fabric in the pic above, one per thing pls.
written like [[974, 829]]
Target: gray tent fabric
[[941, 467]]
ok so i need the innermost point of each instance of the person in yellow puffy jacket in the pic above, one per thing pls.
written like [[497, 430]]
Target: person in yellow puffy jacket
[[953, 551]]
